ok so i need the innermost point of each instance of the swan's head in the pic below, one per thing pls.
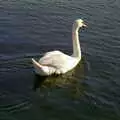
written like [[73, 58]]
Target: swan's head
[[79, 23]]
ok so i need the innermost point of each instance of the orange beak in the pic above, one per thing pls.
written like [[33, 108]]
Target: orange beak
[[84, 25]]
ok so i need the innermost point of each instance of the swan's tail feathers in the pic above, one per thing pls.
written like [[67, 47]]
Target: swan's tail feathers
[[37, 66], [35, 63], [39, 69]]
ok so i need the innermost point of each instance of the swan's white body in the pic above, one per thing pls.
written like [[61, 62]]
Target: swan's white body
[[56, 62]]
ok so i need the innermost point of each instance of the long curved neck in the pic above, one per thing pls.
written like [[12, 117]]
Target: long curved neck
[[76, 43]]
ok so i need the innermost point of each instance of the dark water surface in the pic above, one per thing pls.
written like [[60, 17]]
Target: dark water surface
[[28, 28]]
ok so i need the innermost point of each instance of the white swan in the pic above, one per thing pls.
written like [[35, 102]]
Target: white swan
[[56, 62]]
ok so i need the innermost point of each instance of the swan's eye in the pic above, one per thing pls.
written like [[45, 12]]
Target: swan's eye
[[82, 22]]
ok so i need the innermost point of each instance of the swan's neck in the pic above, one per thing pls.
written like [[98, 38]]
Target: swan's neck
[[76, 43]]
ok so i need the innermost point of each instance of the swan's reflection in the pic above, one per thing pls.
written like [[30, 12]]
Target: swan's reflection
[[71, 78]]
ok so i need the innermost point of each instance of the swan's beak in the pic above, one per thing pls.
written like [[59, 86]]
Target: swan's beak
[[84, 25]]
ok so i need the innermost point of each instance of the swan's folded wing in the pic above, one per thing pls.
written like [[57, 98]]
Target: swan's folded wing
[[57, 60]]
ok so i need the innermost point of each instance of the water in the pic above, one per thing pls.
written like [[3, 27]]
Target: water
[[28, 28]]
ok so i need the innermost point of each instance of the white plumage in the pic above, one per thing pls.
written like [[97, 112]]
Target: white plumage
[[56, 62]]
